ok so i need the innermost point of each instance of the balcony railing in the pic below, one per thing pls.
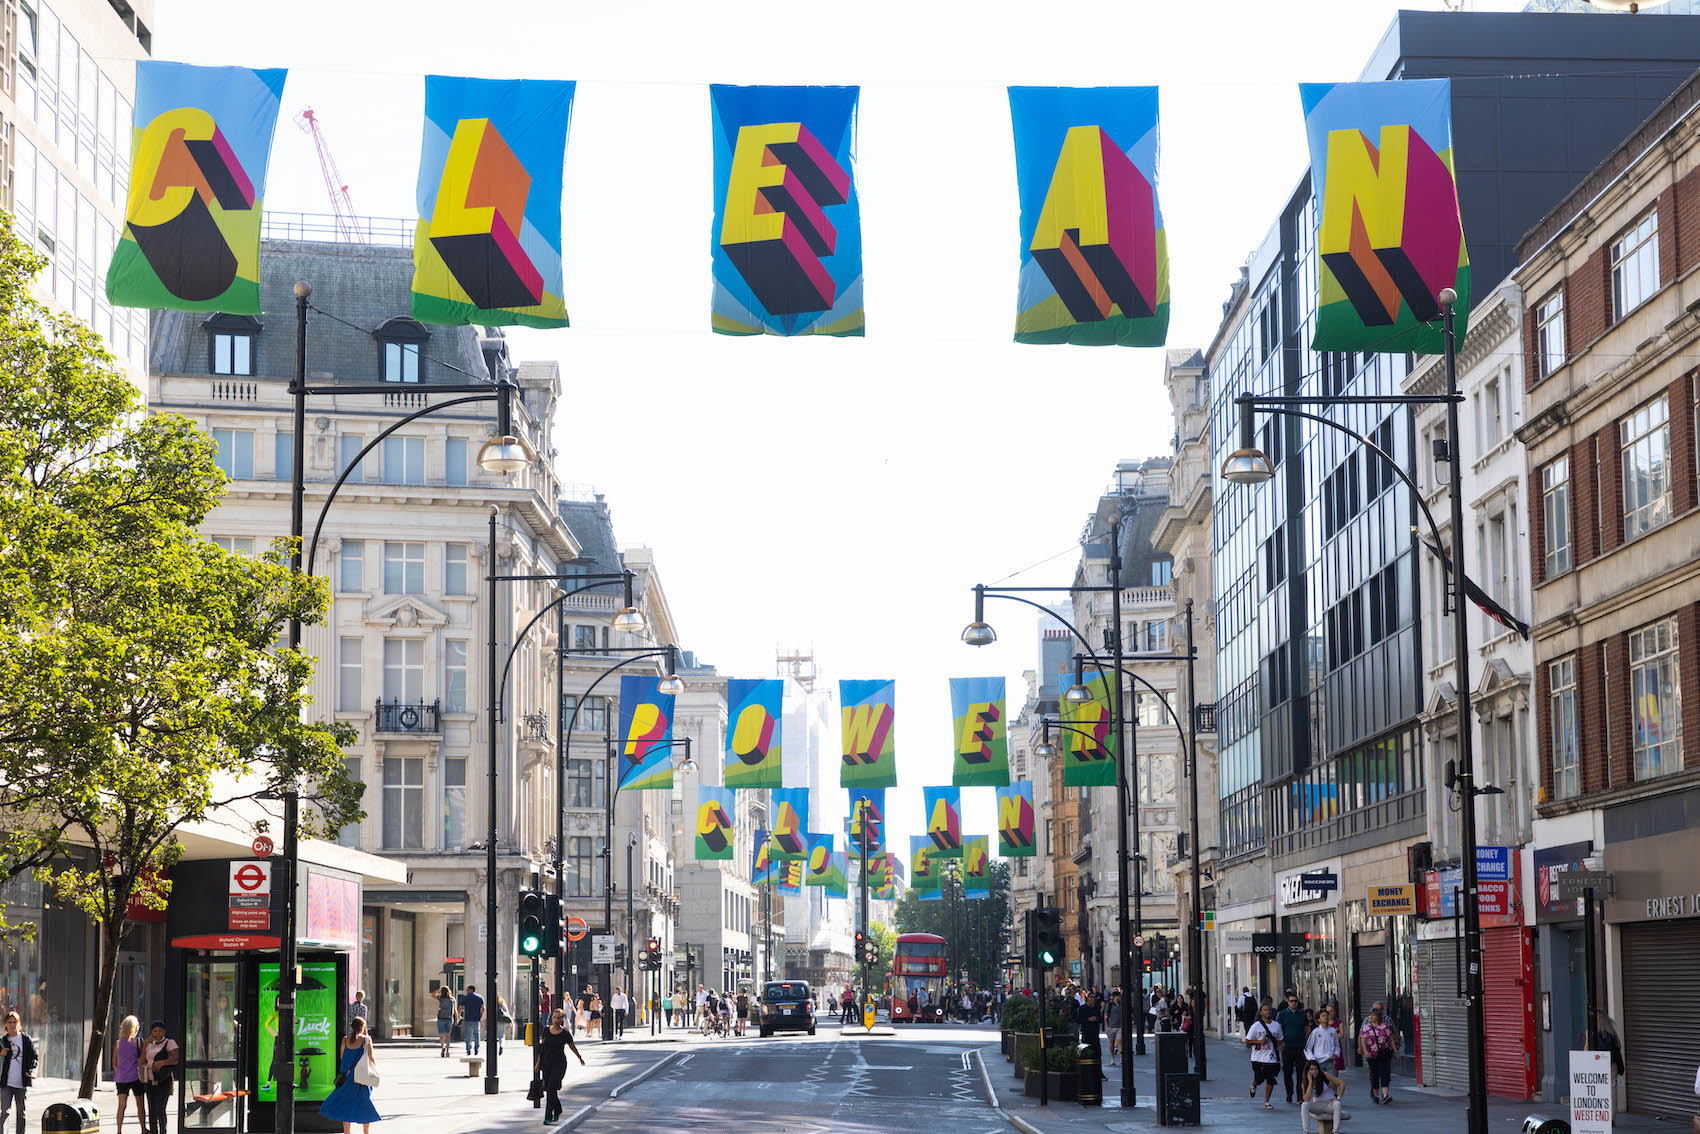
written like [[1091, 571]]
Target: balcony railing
[[409, 716], [394, 231]]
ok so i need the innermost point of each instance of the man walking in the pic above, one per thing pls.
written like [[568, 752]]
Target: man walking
[[472, 1018], [1264, 1039], [1291, 1017], [17, 1071], [621, 1005]]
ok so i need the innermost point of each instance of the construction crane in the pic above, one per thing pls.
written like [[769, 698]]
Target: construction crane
[[342, 206]]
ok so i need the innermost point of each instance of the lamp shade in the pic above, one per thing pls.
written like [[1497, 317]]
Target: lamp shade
[[504, 455], [1247, 466], [1044, 750], [670, 686], [630, 620], [1078, 695], [979, 634]]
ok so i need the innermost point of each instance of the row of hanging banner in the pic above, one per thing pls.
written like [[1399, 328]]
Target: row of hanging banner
[[787, 231]]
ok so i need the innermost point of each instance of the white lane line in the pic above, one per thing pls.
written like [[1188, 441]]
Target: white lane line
[[635, 1080]]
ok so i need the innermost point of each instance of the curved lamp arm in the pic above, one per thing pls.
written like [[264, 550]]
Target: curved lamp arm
[[507, 666], [1179, 727]]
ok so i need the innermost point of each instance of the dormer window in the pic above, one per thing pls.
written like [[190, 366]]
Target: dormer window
[[401, 342], [230, 344]]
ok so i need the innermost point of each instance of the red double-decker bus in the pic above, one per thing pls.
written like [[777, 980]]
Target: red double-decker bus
[[918, 972]]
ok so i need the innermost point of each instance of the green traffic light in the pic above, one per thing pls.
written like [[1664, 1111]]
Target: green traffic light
[[1048, 957], [530, 944]]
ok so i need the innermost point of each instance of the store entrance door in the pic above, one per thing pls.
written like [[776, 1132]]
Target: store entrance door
[[212, 1047]]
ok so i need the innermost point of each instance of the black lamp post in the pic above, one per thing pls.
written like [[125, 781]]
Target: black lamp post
[[1248, 465], [504, 455]]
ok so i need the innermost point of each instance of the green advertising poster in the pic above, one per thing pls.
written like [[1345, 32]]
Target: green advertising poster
[[316, 1036]]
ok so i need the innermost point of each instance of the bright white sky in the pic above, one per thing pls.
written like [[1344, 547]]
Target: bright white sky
[[843, 495]]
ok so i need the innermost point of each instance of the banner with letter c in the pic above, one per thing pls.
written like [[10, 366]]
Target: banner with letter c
[[715, 835], [646, 733], [202, 141], [1094, 253]]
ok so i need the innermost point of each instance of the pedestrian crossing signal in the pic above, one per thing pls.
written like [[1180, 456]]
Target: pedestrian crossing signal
[[1047, 936], [532, 909]]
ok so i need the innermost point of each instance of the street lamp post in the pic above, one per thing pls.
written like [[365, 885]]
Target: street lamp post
[[1249, 465], [504, 454]]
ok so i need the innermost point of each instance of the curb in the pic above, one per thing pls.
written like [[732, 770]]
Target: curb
[[1022, 1124], [986, 1078], [642, 1075], [577, 1117]]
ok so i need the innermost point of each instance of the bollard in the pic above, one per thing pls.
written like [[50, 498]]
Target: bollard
[[1089, 1069]]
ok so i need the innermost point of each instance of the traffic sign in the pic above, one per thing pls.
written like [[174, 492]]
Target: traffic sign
[[262, 846], [1139, 940], [602, 949], [576, 928], [250, 879]]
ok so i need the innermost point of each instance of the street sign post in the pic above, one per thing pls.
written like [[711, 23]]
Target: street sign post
[[602, 949]]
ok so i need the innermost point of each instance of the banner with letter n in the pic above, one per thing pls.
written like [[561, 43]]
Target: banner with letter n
[[976, 867], [1389, 233], [1017, 821], [789, 816], [944, 820], [753, 740], [869, 710], [923, 867], [980, 729], [787, 221], [201, 141], [869, 804], [1089, 743], [487, 247], [1094, 253], [646, 733], [763, 868], [715, 808]]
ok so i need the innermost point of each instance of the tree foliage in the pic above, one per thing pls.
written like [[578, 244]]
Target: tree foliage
[[141, 682], [972, 928], [886, 938]]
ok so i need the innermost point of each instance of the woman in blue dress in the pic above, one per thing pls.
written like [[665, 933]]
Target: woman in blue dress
[[351, 1102]]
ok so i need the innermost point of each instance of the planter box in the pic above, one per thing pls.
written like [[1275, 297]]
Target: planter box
[[1020, 1042], [1062, 1086], [1006, 1041]]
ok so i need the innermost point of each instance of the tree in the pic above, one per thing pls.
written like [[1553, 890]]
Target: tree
[[973, 929], [886, 938], [141, 681]]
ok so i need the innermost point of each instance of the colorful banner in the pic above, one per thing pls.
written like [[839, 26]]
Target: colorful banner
[[753, 740], [1094, 253], [869, 802], [887, 878], [943, 806], [790, 876], [976, 866], [869, 733], [763, 868], [923, 867], [1088, 742], [1017, 823], [838, 878], [826, 864], [980, 731], [787, 220], [788, 816], [201, 141], [487, 247], [646, 733], [715, 808], [1389, 235]]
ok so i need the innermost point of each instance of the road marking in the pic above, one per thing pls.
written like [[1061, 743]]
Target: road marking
[[634, 1081], [965, 1061], [874, 1067]]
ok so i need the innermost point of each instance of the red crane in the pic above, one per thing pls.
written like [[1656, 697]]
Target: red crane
[[342, 206]]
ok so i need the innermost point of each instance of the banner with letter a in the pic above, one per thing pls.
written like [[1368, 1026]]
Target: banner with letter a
[[1089, 748], [976, 866], [487, 247], [868, 802], [1094, 253], [1016, 821], [789, 816], [646, 733], [982, 741], [923, 867], [715, 808], [1389, 234], [753, 740], [201, 141], [869, 733], [787, 221], [944, 820]]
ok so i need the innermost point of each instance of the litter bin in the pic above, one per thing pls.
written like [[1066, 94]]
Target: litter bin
[[1089, 1066], [1538, 1124], [1179, 1097], [80, 1117]]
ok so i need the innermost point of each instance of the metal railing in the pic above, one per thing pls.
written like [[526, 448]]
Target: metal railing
[[396, 232], [409, 716]]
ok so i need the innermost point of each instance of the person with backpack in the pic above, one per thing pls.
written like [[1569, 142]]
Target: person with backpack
[[1247, 1012], [1376, 1043]]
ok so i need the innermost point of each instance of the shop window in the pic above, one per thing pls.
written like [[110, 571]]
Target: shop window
[[1654, 691]]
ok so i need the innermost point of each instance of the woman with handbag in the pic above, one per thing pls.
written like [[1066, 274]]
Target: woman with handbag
[[351, 1101], [159, 1056], [550, 1066]]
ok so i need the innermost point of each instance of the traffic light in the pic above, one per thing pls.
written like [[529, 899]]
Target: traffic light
[[551, 926], [620, 955], [650, 955], [531, 931], [1047, 937], [867, 949]]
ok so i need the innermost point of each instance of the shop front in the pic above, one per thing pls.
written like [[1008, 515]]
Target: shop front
[[1307, 903], [1561, 963], [1382, 925], [1651, 848], [48, 973]]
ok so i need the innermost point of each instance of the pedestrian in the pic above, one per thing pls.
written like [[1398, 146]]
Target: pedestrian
[[1376, 1043], [1089, 1019], [504, 1020], [832, 1003], [701, 1001], [667, 1007], [1322, 1094], [471, 1018], [1295, 1030], [1264, 1039], [1247, 1011], [17, 1071], [550, 1064], [1323, 1043], [725, 1003], [358, 1010], [596, 1013], [126, 1073], [743, 1010], [159, 1056], [621, 1005], [1113, 1022], [544, 1005], [351, 1100]]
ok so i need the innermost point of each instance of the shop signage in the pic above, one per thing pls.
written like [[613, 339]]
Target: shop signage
[[227, 941], [262, 846], [1237, 940], [250, 879], [1493, 864], [1550, 862], [1319, 882], [1674, 905], [1590, 1092], [1208, 921], [1392, 901], [1265, 944], [1577, 883], [1494, 900]]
